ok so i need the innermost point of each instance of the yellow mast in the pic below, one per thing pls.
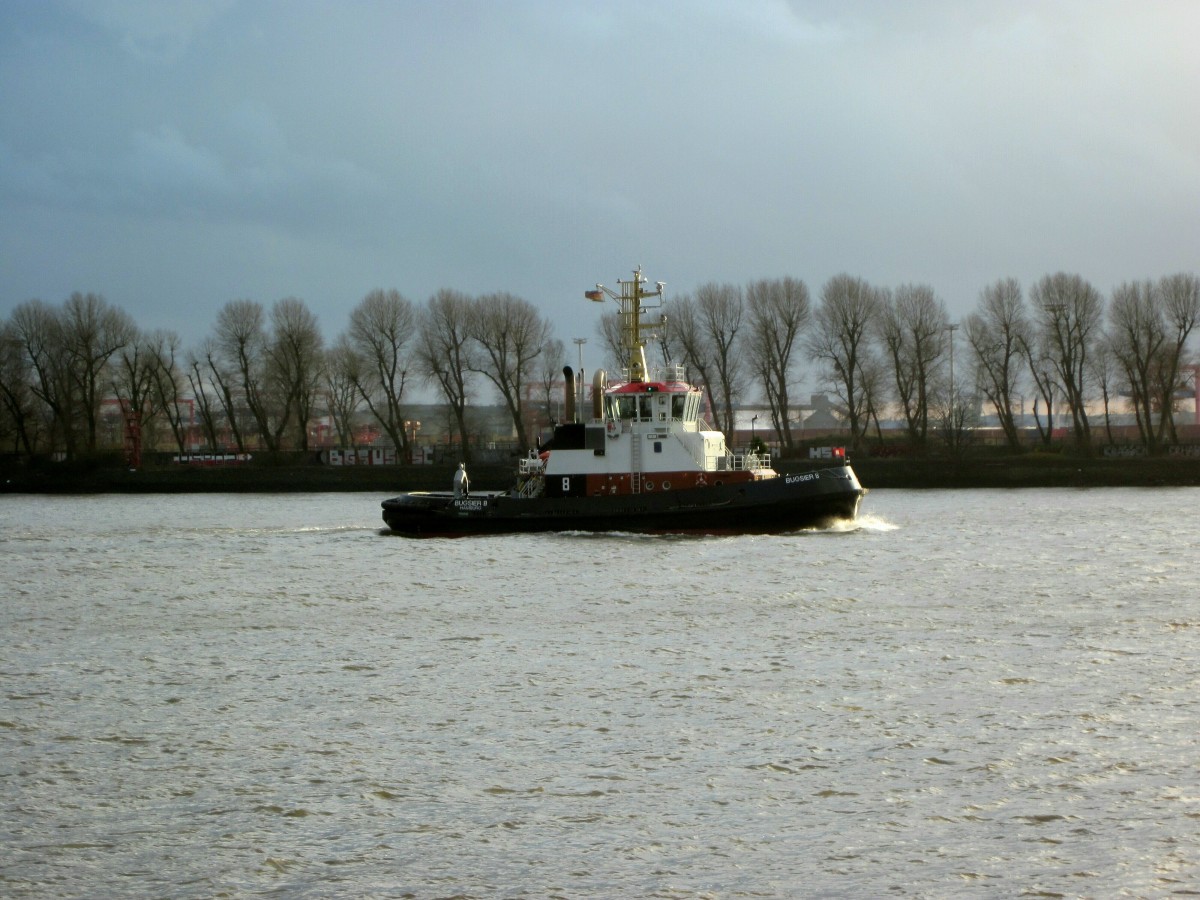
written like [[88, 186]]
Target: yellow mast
[[630, 300]]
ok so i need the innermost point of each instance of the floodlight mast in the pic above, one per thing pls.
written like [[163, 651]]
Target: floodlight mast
[[630, 301]]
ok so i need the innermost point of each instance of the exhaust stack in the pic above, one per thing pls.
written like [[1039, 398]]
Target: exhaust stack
[[569, 390], [599, 383]]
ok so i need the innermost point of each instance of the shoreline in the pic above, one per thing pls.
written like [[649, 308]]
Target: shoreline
[[1030, 472], [1034, 471]]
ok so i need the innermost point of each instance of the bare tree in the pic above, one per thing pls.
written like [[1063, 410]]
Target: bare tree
[[1148, 330], [92, 332], [1069, 313], [779, 311], [722, 308], [509, 333], [996, 331], [443, 353], [1180, 298], [612, 342], [204, 377], [342, 380], [1041, 370], [549, 371], [873, 380], [132, 382], [841, 340], [17, 399], [68, 352], [912, 324], [245, 350], [167, 381], [381, 327], [1104, 374], [1136, 337], [38, 330], [687, 333], [296, 356]]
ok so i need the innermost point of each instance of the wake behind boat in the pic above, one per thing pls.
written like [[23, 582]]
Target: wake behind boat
[[643, 461]]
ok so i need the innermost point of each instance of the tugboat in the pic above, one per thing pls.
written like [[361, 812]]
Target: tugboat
[[643, 461]]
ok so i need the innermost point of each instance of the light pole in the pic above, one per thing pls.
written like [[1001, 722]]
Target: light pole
[[412, 428], [953, 397], [753, 422]]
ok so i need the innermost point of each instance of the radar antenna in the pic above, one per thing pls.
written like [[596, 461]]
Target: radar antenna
[[630, 300]]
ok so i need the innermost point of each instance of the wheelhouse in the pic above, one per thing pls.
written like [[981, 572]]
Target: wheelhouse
[[653, 401]]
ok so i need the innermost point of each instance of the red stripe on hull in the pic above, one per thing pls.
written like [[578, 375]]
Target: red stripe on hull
[[615, 484]]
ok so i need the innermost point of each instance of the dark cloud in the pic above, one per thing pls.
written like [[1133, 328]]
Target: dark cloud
[[175, 156]]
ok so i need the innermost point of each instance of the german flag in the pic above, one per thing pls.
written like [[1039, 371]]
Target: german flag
[[594, 295]]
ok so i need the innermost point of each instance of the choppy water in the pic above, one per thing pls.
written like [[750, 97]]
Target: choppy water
[[975, 693]]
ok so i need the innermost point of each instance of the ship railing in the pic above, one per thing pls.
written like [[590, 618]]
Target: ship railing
[[746, 461], [531, 465], [530, 481], [670, 372], [530, 487]]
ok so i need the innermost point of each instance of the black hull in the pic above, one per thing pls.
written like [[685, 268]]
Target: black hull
[[816, 499]]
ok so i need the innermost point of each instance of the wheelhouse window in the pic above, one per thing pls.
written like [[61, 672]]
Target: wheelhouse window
[[623, 406]]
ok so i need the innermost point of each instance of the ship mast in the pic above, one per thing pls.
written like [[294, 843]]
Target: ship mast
[[630, 299]]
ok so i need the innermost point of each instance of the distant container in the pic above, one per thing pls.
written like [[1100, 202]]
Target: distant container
[[365, 456], [211, 459]]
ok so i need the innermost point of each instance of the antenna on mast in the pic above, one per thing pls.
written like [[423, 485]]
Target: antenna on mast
[[630, 301]]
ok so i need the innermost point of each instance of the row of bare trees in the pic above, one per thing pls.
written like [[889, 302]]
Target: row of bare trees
[[54, 363], [888, 353], [451, 343], [1078, 350], [263, 375]]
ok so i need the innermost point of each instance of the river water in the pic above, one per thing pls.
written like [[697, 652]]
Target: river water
[[987, 693]]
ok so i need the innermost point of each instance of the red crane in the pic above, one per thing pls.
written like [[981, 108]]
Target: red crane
[[133, 435]]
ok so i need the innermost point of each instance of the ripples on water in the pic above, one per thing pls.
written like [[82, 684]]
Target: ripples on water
[[974, 692]]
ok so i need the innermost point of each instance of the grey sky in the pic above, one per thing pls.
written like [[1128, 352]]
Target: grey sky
[[175, 156]]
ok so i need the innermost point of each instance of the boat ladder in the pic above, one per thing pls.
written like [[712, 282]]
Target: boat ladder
[[531, 482], [635, 462]]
